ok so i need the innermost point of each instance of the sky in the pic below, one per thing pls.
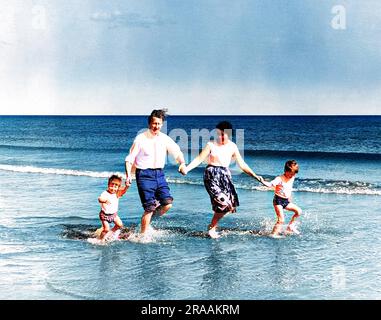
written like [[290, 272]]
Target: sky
[[249, 57]]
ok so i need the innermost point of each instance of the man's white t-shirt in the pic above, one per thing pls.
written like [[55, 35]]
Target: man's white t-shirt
[[150, 151]]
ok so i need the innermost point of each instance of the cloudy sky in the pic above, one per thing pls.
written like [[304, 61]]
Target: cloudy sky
[[193, 57]]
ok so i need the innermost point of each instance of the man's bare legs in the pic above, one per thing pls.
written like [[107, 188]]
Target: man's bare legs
[[147, 216]]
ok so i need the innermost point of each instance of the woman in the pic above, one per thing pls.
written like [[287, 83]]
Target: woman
[[217, 176]]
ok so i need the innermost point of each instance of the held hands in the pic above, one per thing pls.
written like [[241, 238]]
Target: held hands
[[128, 181], [127, 184], [183, 169], [264, 182], [260, 179]]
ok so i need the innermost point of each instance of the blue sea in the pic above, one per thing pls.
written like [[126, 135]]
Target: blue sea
[[53, 168]]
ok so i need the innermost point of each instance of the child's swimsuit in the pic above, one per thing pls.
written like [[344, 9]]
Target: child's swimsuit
[[107, 217], [279, 201], [109, 211]]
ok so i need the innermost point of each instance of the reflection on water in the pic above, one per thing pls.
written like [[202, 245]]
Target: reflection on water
[[285, 268], [152, 273], [181, 263], [221, 267], [109, 271]]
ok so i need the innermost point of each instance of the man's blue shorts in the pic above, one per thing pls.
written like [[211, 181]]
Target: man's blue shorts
[[153, 188]]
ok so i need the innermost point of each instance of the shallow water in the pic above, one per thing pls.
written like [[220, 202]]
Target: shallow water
[[45, 213]]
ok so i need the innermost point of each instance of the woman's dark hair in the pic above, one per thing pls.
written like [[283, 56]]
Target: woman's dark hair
[[161, 114], [289, 166], [225, 126]]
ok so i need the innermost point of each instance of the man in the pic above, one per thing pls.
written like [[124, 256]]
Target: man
[[148, 154]]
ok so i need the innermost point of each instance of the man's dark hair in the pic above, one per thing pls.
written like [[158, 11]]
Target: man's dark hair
[[161, 114]]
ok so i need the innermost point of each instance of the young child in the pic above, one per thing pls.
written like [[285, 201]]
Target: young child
[[109, 201], [282, 199]]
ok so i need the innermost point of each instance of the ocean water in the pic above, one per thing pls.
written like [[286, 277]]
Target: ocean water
[[52, 169]]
